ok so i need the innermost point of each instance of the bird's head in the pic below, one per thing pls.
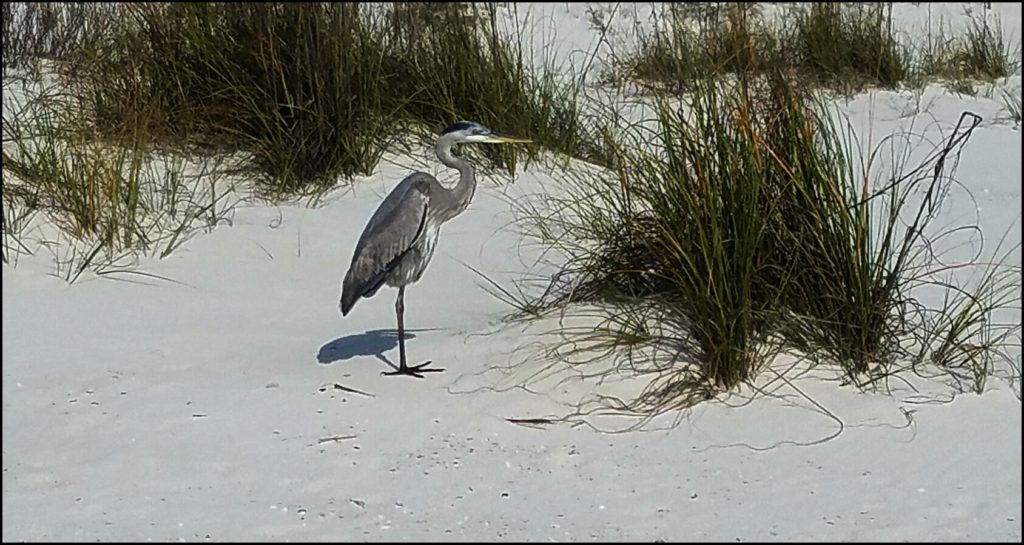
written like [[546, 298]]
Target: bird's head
[[469, 132]]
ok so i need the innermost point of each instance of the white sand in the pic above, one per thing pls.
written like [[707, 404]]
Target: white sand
[[135, 408]]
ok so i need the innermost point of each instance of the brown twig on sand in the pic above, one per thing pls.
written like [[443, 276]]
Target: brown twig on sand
[[336, 438], [530, 421]]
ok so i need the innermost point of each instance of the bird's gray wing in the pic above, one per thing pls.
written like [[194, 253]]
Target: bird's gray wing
[[396, 226]]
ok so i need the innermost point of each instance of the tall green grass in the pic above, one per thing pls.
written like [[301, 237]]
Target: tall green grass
[[722, 40], [854, 45], [456, 63], [985, 52], [675, 235], [34, 31], [833, 45], [300, 97], [971, 334], [742, 223], [110, 201], [316, 93], [296, 87], [981, 53], [850, 237]]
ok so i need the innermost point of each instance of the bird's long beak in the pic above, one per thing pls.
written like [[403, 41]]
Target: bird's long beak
[[505, 139]]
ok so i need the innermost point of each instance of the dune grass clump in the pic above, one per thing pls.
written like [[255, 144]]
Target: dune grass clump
[[833, 45], [850, 45], [311, 93], [981, 53], [298, 96], [456, 64], [676, 235], [739, 226], [984, 52], [34, 31], [971, 330], [687, 48], [110, 201], [298, 88], [836, 45], [846, 239]]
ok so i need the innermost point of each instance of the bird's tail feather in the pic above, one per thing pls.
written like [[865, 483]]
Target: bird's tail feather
[[348, 300], [349, 296], [352, 289]]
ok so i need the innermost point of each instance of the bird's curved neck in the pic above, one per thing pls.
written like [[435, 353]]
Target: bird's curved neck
[[462, 193]]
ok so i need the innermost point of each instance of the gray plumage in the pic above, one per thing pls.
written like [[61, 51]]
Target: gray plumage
[[399, 240], [397, 244]]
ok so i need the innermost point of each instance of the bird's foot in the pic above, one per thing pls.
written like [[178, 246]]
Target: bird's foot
[[414, 371]]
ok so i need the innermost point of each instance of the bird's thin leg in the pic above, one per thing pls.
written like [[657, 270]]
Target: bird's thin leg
[[404, 369], [400, 311]]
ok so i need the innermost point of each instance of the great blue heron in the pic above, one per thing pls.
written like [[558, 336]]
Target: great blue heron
[[400, 238]]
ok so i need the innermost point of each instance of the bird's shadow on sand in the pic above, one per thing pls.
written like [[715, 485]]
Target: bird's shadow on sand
[[369, 343]]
